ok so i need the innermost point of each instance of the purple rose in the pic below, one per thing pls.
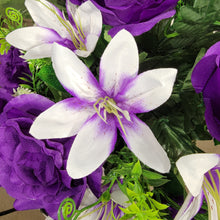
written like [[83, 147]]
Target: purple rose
[[206, 79], [4, 98], [133, 15], [12, 66], [33, 171]]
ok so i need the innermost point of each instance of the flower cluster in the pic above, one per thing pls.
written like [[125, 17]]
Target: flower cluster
[[97, 123]]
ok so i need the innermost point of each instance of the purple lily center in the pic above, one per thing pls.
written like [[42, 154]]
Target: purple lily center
[[108, 105], [211, 188]]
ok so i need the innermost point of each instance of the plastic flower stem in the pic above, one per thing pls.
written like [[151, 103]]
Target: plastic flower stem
[[6, 212], [67, 207]]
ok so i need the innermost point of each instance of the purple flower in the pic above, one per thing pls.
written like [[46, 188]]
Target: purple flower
[[80, 33], [98, 109], [11, 68], [133, 15], [201, 174], [34, 171], [4, 98], [206, 79]]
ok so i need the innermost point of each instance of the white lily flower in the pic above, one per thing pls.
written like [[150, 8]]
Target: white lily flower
[[98, 109], [105, 210], [201, 174], [80, 33]]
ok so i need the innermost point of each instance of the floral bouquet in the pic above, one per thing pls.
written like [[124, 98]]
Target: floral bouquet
[[101, 106]]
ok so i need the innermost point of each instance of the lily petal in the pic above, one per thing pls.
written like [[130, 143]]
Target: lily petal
[[91, 147], [193, 167], [87, 16], [75, 77], [90, 43], [213, 206], [119, 197], [148, 90], [34, 36], [42, 15], [63, 119], [190, 207], [119, 63], [142, 142], [38, 52]]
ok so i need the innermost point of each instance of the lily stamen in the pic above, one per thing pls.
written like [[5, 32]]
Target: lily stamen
[[110, 107], [209, 187], [77, 36]]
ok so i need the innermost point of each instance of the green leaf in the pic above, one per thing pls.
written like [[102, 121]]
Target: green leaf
[[137, 170], [188, 14], [47, 74], [25, 79], [159, 205], [137, 188], [142, 57], [187, 85], [89, 61], [152, 175], [216, 142], [26, 86], [158, 182], [130, 193]]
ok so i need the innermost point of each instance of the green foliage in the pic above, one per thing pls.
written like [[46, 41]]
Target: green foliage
[[44, 80], [47, 74], [180, 43], [142, 204], [12, 21], [138, 183]]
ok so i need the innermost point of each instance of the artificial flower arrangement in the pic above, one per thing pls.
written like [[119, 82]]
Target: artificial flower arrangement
[[101, 104]]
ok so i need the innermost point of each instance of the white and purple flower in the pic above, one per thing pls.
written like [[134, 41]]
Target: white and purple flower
[[104, 210], [201, 174], [80, 33], [98, 109]]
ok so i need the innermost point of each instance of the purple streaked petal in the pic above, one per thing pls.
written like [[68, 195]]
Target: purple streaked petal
[[148, 90], [193, 167], [29, 37], [139, 28], [73, 74], [212, 119], [214, 49], [43, 16], [91, 147], [203, 71], [63, 119], [109, 17], [94, 181], [71, 10], [190, 207], [142, 142], [119, 63]]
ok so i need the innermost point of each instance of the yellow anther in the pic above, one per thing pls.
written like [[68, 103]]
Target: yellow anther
[[110, 107]]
